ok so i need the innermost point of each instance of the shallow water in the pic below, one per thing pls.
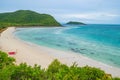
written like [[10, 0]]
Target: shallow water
[[100, 42]]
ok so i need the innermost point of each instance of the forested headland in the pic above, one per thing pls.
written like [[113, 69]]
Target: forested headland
[[26, 18]]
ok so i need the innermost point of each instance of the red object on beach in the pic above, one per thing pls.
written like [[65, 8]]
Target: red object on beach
[[11, 53]]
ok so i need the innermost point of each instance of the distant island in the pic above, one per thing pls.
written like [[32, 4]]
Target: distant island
[[27, 18], [75, 23]]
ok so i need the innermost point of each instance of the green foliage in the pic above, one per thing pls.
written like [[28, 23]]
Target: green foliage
[[58, 71], [55, 71], [116, 78], [26, 18], [76, 23], [25, 72], [5, 73], [5, 60], [6, 66]]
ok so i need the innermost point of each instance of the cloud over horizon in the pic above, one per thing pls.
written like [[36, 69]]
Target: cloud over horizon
[[90, 11]]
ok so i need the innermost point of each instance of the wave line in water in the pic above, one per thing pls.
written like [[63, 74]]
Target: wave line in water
[[100, 42]]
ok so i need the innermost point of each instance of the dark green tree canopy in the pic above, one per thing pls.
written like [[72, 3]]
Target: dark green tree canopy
[[75, 23], [27, 18]]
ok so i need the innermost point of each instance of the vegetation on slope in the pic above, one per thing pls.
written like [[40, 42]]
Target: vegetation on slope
[[75, 23], [55, 71], [26, 18]]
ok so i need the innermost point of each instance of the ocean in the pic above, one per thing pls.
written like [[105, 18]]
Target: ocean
[[100, 42]]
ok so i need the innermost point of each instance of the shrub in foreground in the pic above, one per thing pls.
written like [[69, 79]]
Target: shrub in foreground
[[55, 71]]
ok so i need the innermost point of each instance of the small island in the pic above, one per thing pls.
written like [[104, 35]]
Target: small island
[[75, 23]]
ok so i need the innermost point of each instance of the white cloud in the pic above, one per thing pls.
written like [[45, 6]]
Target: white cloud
[[99, 17], [92, 16]]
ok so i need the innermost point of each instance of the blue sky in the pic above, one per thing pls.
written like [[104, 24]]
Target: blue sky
[[87, 11]]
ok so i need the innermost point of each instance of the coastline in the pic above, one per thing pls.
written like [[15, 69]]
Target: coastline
[[34, 54]]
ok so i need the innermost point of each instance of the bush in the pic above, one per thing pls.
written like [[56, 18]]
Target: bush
[[55, 71], [5, 60]]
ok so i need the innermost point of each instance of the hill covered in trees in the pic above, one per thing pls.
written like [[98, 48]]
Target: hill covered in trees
[[26, 18], [55, 71]]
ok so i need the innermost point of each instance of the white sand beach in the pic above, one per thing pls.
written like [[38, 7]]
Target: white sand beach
[[34, 54]]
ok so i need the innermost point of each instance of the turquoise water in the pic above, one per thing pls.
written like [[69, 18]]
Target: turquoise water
[[100, 42]]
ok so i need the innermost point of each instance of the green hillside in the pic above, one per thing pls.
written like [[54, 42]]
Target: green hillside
[[26, 18]]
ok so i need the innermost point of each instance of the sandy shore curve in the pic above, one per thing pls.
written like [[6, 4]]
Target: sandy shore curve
[[34, 54]]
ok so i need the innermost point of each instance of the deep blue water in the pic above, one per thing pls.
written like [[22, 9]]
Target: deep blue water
[[100, 42]]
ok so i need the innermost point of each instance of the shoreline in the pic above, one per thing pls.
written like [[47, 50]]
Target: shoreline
[[34, 54]]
